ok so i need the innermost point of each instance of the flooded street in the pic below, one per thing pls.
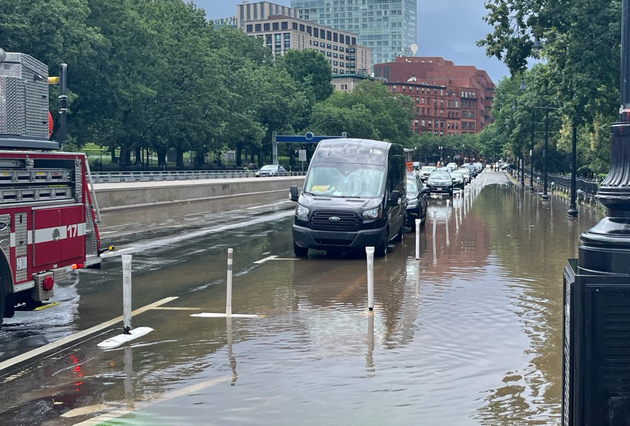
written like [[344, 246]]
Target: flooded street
[[469, 334]]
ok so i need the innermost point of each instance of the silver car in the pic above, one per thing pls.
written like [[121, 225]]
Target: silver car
[[271, 170]]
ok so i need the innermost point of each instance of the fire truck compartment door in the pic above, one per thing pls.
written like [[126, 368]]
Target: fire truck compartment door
[[58, 234]]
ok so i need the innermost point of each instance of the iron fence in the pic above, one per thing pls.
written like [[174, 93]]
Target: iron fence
[[154, 176]]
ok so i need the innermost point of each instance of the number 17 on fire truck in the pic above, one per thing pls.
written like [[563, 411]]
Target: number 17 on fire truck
[[48, 209]]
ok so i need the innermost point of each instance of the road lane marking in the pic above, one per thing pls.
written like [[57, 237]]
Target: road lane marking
[[154, 399], [220, 315], [80, 335], [265, 259]]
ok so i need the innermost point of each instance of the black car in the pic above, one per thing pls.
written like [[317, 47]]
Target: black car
[[416, 201], [440, 182]]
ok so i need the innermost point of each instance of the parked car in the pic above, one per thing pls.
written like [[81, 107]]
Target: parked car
[[425, 171], [271, 170], [458, 179], [440, 182], [416, 201], [467, 174], [452, 166]]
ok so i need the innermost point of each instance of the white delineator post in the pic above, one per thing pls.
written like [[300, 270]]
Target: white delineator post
[[228, 295], [369, 254], [418, 238], [126, 266]]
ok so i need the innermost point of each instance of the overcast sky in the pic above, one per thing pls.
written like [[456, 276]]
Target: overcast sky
[[441, 32]]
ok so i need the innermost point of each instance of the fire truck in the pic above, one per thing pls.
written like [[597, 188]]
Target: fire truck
[[48, 210]]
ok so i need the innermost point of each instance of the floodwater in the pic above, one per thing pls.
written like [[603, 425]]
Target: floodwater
[[468, 334]]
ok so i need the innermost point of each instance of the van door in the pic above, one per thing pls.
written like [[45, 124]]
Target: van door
[[396, 212]]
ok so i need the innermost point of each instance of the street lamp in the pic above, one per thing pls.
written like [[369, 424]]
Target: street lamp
[[544, 195], [572, 211], [606, 246]]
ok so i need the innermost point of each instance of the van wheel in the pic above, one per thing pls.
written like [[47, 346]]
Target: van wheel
[[381, 249], [3, 299], [300, 251]]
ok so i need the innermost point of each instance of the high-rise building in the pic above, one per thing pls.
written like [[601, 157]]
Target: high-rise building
[[388, 28], [279, 28], [449, 99]]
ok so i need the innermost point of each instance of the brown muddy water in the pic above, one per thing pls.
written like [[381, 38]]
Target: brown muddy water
[[469, 334]]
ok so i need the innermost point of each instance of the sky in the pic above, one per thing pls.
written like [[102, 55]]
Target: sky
[[441, 32]]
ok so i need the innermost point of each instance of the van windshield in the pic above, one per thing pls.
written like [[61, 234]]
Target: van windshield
[[345, 180]]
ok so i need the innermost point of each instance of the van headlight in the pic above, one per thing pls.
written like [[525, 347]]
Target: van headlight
[[302, 213], [372, 214]]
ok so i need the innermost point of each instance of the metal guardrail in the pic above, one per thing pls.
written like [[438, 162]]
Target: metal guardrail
[[585, 187], [156, 176]]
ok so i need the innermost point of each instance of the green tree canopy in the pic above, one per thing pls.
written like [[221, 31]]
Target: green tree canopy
[[370, 111]]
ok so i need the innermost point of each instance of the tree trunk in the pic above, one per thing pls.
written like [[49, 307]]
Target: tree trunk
[[179, 158], [239, 148], [161, 155]]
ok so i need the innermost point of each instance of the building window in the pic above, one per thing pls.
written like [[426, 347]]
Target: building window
[[340, 48], [335, 37], [258, 28], [294, 25], [309, 29], [335, 47], [267, 27], [335, 55], [328, 54], [315, 32], [315, 43], [275, 26], [287, 41], [328, 35], [250, 28], [302, 27], [285, 25], [341, 57], [329, 46], [335, 71]]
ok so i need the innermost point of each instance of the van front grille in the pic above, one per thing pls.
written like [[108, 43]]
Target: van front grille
[[335, 221]]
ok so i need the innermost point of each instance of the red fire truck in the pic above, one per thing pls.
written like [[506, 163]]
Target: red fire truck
[[48, 214]]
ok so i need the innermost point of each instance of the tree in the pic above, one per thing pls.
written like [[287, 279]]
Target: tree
[[310, 69], [370, 111]]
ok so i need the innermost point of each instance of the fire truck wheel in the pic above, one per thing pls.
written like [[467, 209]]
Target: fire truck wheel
[[32, 303]]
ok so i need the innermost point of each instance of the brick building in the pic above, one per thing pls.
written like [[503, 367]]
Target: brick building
[[449, 99]]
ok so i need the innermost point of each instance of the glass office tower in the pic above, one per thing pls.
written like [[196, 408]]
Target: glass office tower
[[387, 27]]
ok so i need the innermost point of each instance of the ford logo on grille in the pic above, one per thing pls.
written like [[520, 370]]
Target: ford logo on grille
[[334, 219]]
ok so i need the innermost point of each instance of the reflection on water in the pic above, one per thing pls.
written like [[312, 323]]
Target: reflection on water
[[468, 334]]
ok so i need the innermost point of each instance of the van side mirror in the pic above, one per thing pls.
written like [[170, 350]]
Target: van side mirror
[[293, 193], [394, 197]]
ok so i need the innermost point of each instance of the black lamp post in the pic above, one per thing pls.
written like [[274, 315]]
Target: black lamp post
[[596, 289], [531, 156], [544, 195], [572, 211], [606, 246]]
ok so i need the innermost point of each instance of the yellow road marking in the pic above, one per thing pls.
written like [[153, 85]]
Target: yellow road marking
[[46, 306]]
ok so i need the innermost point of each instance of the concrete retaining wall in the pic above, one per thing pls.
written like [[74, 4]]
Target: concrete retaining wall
[[143, 195]]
